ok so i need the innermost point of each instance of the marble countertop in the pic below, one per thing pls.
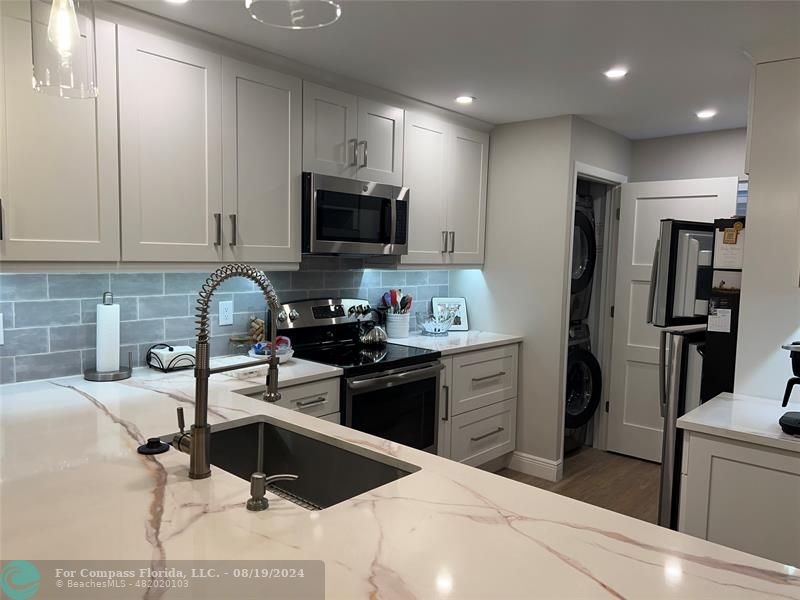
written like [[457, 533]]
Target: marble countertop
[[73, 486], [458, 341], [744, 418]]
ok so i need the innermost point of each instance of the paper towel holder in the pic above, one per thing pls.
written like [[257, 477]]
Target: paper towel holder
[[119, 375]]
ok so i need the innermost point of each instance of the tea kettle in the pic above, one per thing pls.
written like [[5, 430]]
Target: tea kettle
[[374, 336]]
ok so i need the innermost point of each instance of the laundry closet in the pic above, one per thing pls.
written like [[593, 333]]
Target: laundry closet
[[591, 294]]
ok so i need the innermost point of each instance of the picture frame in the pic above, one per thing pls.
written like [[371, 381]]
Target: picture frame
[[459, 305]]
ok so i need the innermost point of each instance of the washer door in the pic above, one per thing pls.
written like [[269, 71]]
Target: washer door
[[584, 386], [584, 253]]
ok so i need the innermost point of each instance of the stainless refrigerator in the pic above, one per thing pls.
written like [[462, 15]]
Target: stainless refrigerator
[[694, 297]]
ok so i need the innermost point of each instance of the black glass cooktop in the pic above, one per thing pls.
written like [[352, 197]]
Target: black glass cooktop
[[357, 359]]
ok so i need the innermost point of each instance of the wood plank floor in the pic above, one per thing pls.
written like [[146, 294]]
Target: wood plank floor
[[620, 483]]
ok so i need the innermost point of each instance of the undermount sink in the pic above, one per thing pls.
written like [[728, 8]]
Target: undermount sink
[[329, 470]]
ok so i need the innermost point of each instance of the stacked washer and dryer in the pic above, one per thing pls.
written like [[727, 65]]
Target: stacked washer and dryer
[[584, 377]]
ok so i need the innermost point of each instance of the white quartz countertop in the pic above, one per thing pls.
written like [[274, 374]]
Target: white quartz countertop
[[72, 485], [458, 341], [744, 418]]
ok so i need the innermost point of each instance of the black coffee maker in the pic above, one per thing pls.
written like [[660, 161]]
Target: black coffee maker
[[790, 421]]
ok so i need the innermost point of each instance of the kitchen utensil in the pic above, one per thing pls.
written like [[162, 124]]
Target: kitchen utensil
[[387, 299], [393, 294], [435, 325]]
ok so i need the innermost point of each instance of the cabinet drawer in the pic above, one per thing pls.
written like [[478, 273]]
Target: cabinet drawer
[[483, 434], [318, 399], [483, 378]]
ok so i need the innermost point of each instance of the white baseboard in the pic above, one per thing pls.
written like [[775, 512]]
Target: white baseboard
[[552, 470]]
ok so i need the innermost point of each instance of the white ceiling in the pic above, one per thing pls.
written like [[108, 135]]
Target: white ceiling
[[527, 60]]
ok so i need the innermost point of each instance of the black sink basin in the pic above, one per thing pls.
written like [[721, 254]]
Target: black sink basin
[[329, 470]]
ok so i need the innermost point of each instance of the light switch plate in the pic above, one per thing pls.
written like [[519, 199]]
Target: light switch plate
[[2, 341], [226, 312]]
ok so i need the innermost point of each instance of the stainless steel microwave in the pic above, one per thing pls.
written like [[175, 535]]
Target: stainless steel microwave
[[346, 216]]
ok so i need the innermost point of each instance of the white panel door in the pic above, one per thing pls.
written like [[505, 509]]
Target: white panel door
[[425, 173], [330, 129], [170, 149], [59, 186], [261, 150], [466, 212], [634, 421], [380, 142]]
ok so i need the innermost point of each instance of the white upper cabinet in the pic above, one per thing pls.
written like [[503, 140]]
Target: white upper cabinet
[[425, 174], [58, 158], [380, 142], [330, 130], [261, 149], [445, 171], [466, 208], [170, 149], [352, 137]]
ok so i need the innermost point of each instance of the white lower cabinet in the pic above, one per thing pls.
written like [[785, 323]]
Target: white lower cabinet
[[742, 495], [318, 399], [478, 412]]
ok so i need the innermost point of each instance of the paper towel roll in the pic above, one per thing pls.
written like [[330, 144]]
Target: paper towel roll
[[107, 354]]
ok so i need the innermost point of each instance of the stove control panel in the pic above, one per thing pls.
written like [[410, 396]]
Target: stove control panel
[[323, 311]]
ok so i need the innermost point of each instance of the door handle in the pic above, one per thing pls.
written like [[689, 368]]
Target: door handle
[[492, 376], [446, 416], [315, 402], [651, 297], [478, 438], [1, 219], [444, 241], [218, 223], [364, 154], [452, 242], [354, 162], [234, 231], [663, 353]]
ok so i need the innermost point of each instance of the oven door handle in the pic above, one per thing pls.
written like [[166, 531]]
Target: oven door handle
[[366, 384]]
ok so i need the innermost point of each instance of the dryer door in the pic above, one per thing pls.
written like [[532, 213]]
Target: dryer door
[[584, 386], [584, 253]]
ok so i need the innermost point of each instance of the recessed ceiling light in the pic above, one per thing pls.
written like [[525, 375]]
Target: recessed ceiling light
[[176, 1], [707, 113], [465, 99], [616, 73]]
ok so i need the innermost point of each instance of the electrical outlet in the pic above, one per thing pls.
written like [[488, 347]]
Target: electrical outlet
[[226, 313], [2, 341]]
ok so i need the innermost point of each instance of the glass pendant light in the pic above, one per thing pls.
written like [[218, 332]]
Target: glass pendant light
[[294, 14], [63, 43]]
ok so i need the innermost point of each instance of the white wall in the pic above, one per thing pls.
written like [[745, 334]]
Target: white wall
[[524, 285], [696, 155], [770, 305]]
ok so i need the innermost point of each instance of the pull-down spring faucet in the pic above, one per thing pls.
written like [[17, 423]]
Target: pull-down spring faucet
[[200, 437]]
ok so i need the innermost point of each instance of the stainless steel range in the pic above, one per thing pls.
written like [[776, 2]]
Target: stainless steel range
[[388, 390]]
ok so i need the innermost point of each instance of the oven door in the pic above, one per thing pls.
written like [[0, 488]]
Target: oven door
[[401, 405], [344, 216]]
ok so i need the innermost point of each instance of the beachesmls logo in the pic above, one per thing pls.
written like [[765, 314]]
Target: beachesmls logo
[[19, 580]]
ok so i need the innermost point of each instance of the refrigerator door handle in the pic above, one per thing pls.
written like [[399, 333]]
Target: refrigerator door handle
[[669, 448], [651, 298], [663, 367]]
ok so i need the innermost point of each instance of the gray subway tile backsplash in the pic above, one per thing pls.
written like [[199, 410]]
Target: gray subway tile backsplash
[[82, 285], [48, 319], [23, 287], [46, 313], [137, 284], [45, 366]]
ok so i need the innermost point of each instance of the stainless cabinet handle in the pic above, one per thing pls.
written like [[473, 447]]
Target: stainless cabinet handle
[[218, 223], [307, 403], [477, 379], [234, 231], [478, 438], [444, 241], [1, 219], [452, 242], [364, 154], [354, 162], [446, 416]]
